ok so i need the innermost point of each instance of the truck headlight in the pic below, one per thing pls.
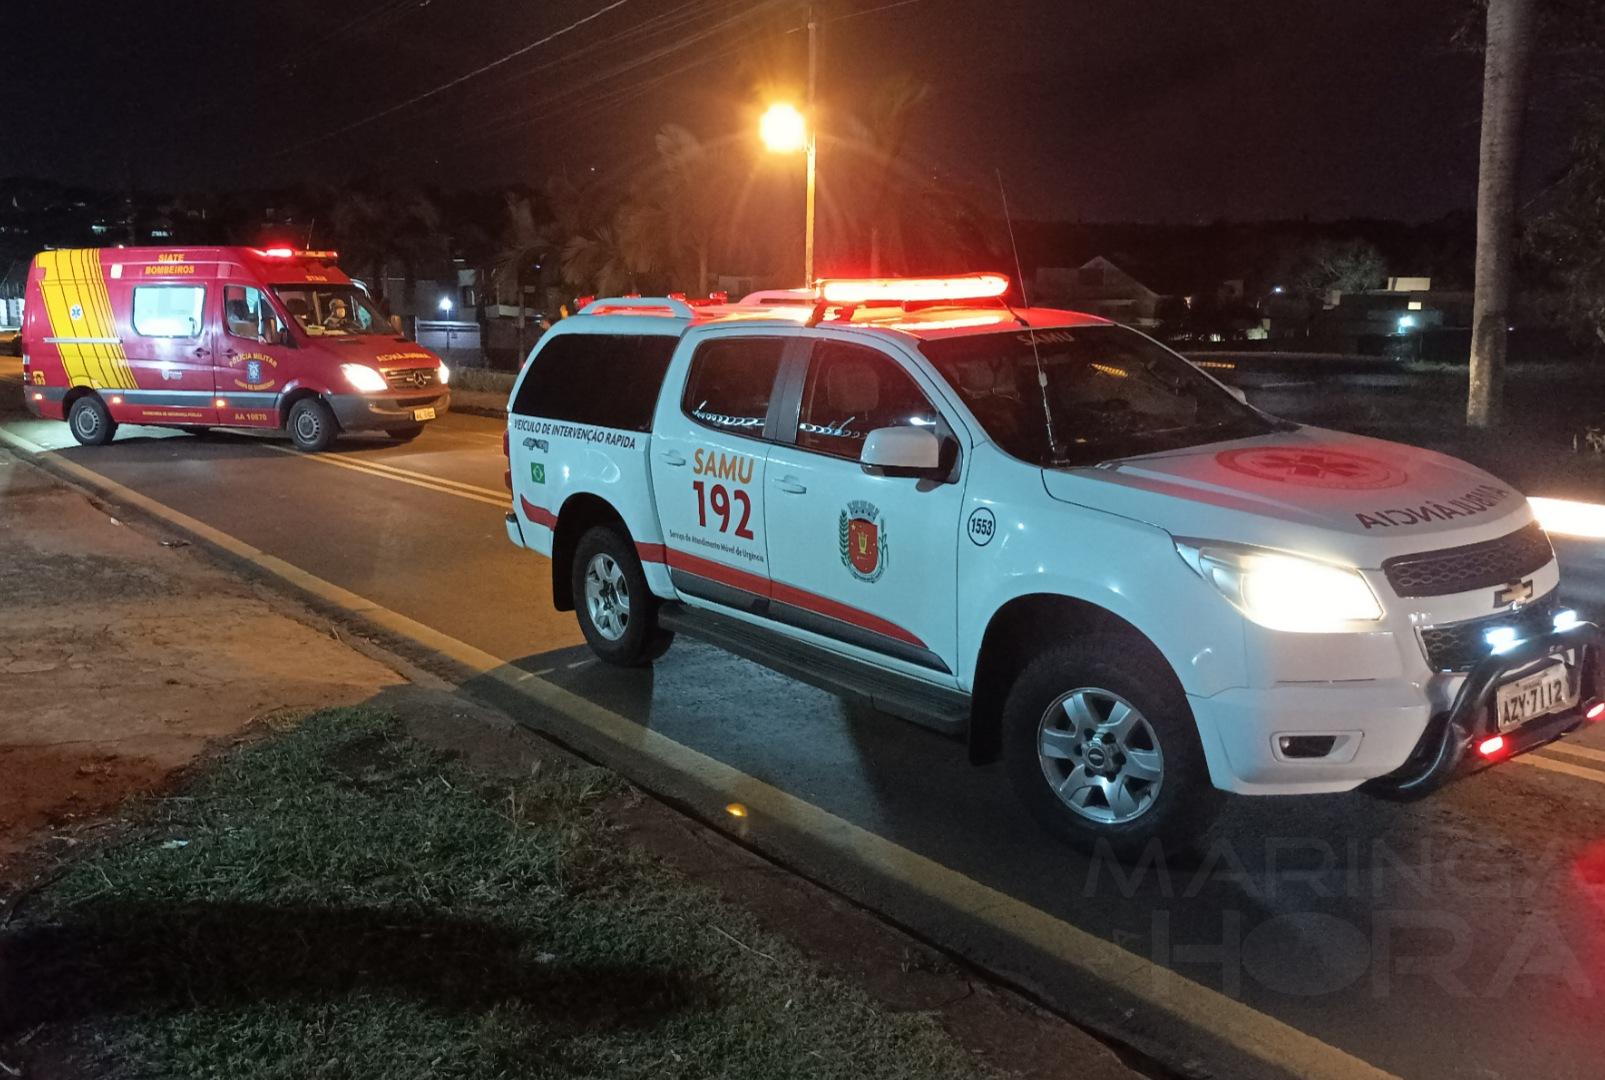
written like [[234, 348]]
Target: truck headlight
[[1281, 591], [445, 375], [364, 378]]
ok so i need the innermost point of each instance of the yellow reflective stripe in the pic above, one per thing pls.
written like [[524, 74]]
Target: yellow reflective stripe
[[73, 278]]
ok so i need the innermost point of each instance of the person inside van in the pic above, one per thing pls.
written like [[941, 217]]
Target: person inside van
[[339, 317]]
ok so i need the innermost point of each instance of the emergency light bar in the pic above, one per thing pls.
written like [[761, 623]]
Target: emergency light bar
[[291, 253], [912, 290]]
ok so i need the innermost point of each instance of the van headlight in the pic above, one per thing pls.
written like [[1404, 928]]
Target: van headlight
[[1281, 591], [445, 375], [364, 378]]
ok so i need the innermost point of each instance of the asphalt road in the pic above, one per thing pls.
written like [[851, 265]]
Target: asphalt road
[[1459, 937]]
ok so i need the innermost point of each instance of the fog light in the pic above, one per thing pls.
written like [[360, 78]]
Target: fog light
[[1565, 620], [1296, 747], [1491, 746], [1501, 638]]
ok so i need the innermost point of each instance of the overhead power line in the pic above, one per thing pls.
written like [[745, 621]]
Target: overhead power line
[[459, 80]]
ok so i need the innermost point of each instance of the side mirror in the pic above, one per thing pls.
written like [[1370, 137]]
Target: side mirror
[[395, 323], [902, 451], [271, 333]]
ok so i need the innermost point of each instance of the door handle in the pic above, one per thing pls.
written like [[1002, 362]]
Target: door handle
[[230, 354], [790, 486], [673, 457], [200, 350]]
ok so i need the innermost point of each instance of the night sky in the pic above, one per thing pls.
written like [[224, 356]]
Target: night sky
[[1154, 110]]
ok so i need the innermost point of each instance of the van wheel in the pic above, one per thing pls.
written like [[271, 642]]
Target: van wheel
[[405, 434], [618, 613], [1100, 745], [91, 423], [312, 425]]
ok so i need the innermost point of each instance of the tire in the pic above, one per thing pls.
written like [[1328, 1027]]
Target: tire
[[312, 425], [90, 421], [1140, 778], [617, 612], [405, 434]]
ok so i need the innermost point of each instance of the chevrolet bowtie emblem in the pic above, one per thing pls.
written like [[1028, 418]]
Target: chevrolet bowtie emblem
[[1517, 592]]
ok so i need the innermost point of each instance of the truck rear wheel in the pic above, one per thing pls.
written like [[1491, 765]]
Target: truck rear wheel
[[312, 425], [1100, 745], [618, 613], [90, 421]]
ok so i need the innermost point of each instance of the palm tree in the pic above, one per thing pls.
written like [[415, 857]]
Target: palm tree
[[677, 215], [1510, 36]]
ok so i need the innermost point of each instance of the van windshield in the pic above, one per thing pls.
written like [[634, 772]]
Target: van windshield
[[333, 311], [1105, 392]]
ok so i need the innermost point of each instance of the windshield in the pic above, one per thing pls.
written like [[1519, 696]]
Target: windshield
[[333, 311], [1108, 391]]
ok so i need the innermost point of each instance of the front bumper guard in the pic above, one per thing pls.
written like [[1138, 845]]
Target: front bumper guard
[[1445, 750]]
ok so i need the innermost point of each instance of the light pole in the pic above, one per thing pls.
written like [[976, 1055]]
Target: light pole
[[445, 309], [785, 130]]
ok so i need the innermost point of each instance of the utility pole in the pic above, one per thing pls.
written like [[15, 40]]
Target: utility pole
[[1511, 29], [812, 113]]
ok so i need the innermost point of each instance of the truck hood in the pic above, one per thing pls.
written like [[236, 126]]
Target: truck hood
[[1336, 496], [383, 353]]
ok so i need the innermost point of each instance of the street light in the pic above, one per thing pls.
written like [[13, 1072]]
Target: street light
[[445, 309], [785, 130]]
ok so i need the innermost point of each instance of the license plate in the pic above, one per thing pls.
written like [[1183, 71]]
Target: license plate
[[1539, 694], [423, 414]]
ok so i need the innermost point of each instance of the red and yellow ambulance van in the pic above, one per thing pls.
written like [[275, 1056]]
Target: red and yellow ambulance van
[[234, 337]]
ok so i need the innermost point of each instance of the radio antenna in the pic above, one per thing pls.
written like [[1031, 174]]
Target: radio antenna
[[1036, 352]]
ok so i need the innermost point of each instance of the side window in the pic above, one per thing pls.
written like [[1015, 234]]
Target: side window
[[850, 391], [607, 380], [730, 383], [247, 314], [168, 311]]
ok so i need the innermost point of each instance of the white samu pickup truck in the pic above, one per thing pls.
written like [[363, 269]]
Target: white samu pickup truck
[[1046, 533]]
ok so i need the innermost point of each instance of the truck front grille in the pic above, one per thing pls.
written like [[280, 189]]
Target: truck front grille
[[1459, 646], [1475, 566], [411, 378]]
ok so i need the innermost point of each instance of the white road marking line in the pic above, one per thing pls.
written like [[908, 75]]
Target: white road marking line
[[501, 497], [1191, 1004], [501, 503]]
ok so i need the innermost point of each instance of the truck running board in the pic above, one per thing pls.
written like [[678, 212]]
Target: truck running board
[[946, 711]]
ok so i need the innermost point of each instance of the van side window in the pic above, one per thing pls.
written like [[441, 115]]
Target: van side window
[[247, 314], [850, 391], [606, 380], [731, 382], [168, 311]]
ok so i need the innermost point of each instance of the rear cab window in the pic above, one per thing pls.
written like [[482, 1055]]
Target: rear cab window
[[731, 383], [603, 380]]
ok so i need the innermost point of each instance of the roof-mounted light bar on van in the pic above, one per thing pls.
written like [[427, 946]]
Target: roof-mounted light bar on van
[[292, 253]]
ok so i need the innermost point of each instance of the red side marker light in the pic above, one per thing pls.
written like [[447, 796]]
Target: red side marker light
[[1596, 710], [1491, 746]]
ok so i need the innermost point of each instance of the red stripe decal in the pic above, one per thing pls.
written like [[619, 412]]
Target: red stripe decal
[[538, 515], [822, 605], [759, 585]]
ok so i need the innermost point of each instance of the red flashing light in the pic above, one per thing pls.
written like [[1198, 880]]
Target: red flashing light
[[913, 290], [1596, 710], [276, 253], [1491, 746], [634, 309], [291, 253]]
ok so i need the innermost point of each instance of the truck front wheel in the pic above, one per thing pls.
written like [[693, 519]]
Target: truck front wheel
[[1100, 745], [312, 425], [617, 611]]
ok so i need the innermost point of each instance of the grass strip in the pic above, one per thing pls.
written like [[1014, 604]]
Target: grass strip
[[341, 901]]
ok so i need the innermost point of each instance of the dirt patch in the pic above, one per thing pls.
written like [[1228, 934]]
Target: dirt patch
[[123, 658]]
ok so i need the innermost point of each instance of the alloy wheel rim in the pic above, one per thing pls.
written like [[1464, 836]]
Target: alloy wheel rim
[[607, 596], [1100, 756]]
